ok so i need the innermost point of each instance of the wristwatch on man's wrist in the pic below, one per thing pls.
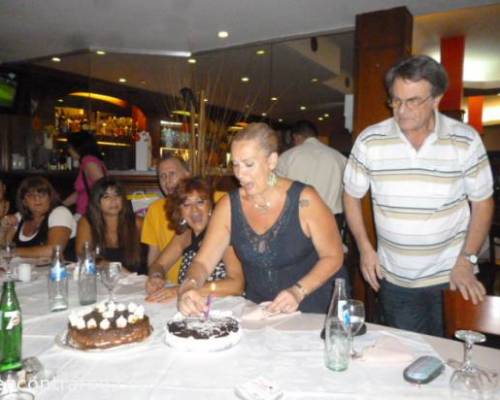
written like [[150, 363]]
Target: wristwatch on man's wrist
[[472, 258]]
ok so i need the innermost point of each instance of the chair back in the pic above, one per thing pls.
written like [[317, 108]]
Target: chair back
[[463, 314]]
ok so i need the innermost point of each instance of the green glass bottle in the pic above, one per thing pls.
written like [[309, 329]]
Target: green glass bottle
[[11, 329]]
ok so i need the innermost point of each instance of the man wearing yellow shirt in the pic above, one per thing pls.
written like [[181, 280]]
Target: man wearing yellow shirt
[[155, 231]]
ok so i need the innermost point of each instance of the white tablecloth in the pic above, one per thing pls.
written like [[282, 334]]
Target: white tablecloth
[[289, 352]]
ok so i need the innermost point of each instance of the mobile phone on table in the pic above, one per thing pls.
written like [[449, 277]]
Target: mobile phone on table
[[423, 370]]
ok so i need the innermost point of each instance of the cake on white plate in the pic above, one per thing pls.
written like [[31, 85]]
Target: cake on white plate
[[219, 332], [106, 325]]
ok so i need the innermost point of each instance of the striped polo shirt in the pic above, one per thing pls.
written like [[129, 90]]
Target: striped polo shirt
[[420, 198]]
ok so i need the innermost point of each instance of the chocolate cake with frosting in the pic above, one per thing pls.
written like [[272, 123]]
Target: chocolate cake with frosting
[[107, 325], [218, 332]]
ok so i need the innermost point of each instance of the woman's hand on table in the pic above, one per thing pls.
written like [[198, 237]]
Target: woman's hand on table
[[154, 284], [284, 302], [191, 303], [163, 295]]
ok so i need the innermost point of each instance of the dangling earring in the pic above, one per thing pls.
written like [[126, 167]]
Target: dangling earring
[[272, 179], [210, 213], [183, 222]]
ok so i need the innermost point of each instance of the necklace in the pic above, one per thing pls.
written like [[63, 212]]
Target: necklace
[[262, 207]]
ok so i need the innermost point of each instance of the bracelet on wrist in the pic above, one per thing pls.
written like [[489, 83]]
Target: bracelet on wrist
[[299, 292]]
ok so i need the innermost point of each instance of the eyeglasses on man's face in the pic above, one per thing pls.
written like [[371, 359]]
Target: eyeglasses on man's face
[[412, 103]]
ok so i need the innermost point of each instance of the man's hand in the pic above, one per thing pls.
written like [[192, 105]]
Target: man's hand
[[462, 278], [370, 268]]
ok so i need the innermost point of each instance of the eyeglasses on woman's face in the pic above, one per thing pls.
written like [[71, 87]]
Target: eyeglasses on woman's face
[[34, 195]]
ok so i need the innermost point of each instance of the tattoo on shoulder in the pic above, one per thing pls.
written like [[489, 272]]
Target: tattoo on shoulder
[[303, 203]]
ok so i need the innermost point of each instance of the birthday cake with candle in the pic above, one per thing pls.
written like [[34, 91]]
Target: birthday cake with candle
[[107, 325], [219, 331]]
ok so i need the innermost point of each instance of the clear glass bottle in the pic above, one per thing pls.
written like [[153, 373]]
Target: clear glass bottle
[[339, 299], [87, 277], [58, 282], [337, 344], [11, 329]]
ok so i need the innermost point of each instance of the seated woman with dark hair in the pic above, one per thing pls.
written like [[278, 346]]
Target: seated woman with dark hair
[[41, 222], [189, 210], [111, 224]]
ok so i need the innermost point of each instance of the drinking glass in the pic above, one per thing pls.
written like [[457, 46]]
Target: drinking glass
[[353, 318], [337, 345], [10, 388], [110, 275], [8, 252], [469, 381]]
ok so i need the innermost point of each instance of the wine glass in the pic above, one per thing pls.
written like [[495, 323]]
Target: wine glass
[[353, 318], [110, 275], [469, 381], [8, 253]]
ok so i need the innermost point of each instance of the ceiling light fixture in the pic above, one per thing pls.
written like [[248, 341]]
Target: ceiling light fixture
[[143, 82], [314, 80], [303, 108], [122, 80], [320, 118], [97, 96], [274, 99], [205, 100], [100, 52], [260, 52], [56, 59], [326, 115], [245, 78], [192, 60], [223, 34], [60, 100], [264, 114], [280, 119]]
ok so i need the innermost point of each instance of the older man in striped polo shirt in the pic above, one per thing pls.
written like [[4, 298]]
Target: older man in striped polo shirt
[[431, 188]]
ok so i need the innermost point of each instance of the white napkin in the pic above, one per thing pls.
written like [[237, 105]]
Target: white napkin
[[259, 312], [387, 349]]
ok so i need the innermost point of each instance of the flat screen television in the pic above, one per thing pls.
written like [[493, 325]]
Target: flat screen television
[[8, 90]]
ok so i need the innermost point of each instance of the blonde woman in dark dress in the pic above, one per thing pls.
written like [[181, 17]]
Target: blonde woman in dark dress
[[283, 233]]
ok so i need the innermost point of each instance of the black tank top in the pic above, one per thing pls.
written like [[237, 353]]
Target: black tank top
[[41, 238], [280, 257]]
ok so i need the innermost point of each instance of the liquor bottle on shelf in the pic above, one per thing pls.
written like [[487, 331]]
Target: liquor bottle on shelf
[[11, 329]]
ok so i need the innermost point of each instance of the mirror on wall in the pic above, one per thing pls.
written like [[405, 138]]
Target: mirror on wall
[[118, 95]]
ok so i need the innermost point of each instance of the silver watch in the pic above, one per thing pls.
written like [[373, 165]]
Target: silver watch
[[472, 258]]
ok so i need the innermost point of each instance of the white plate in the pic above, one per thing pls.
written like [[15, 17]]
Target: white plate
[[61, 340]]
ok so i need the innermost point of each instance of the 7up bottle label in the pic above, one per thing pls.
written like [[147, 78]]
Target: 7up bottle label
[[10, 329]]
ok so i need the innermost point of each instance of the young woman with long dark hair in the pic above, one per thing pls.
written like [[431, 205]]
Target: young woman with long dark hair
[[110, 223]]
